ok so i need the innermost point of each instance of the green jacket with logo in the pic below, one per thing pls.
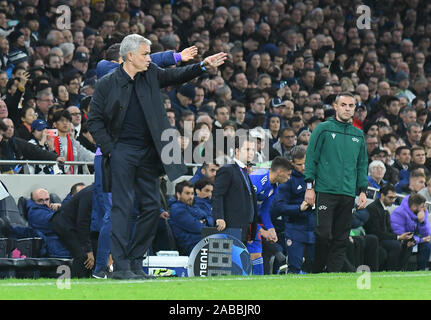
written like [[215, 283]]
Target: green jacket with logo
[[336, 158]]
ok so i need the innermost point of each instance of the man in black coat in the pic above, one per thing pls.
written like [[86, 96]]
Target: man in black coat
[[234, 198], [127, 120], [392, 252], [72, 225]]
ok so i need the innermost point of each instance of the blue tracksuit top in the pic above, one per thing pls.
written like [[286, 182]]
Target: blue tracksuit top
[[39, 217], [185, 223], [299, 225]]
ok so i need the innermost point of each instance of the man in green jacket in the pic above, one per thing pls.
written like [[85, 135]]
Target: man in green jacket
[[335, 169]]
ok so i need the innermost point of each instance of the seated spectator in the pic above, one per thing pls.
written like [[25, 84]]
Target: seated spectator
[[182, 98], [413, 134], [86, 139], [186, 219], [415, 183], [40, 138], [257, 108], [411, 216], [407, 116], [71, 223], [390, 142], [12, 148], [273, 124], [426, 191], [73, 190], [23, 130], [44, 102], [76, 117], [263, 151], [40, 212], [402, 162], [372, 143], [66, 146], [203, 189], [376, 172], [238, 114], [286, 142], [392, 247], [418, 156], [362, 248], [221, 115], [296, 124], [304, 135], [207, 170]]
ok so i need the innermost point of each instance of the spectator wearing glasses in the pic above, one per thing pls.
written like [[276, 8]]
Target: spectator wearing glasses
[[376, 172], [44, 101], [76, 115], [286, 142], [307, 113], [40, 211], [392, 247], [372, 142]]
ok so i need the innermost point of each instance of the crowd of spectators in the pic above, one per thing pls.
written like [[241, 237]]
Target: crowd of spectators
[[287, 61]]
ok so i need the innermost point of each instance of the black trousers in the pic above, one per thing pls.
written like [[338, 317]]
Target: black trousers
[[394, 255], [68, 236], [364, 251], [333, 224], [135, 171]]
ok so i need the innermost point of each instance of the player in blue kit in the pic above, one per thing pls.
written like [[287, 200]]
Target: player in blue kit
[[265, 184], [298, 216]]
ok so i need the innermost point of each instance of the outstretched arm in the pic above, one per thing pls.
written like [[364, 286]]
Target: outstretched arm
[[177, 76]]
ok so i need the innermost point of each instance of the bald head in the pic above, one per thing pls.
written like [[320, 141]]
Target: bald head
[[40, 196]]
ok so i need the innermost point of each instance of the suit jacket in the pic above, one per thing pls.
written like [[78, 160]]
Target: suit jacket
[[108, 107], [379, 222], [75, 214], [231, 200]]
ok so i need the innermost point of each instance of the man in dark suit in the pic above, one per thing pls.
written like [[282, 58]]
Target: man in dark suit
[[71, 223], [392, 251], [127, 119], [234, 198]]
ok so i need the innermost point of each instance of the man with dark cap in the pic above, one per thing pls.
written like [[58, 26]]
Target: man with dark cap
[[18, 54], [42, 48], [182, 98], [80, 62]]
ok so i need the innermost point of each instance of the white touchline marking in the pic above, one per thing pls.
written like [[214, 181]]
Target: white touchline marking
[[200, 279]]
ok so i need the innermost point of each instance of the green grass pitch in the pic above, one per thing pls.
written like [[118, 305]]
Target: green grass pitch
[[379, 286]]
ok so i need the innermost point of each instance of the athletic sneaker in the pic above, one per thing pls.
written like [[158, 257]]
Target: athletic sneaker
[[283, 269], [165, 273], [102, 274]]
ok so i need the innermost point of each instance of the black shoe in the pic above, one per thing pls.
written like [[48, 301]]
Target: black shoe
[[142, 273], [126, 275]]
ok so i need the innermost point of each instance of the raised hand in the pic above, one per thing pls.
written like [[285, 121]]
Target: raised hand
[[215, 61], [188, 53]]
